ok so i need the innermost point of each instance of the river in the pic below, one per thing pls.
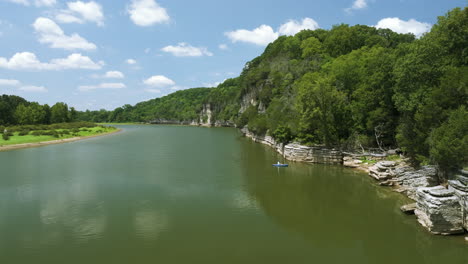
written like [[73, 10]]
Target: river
[[173, 194]]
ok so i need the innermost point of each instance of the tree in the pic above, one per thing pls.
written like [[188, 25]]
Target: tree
[[322, 109], [59, 113], [449, 142]]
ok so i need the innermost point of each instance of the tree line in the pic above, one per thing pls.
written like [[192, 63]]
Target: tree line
[[15, 110]]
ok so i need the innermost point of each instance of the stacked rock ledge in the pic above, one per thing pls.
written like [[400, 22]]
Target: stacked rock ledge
[[297, 152], [438, 210]]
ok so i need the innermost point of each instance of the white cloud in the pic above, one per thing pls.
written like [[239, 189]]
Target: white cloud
[[402, 26], [185, 50], [9, 82], [50, 33], [45, 2], [260, 36], [29, 61], [223, 47], [68, 18], [159, 81], [147, 12], [265, 34], [357, 4], [114, 74], [292, 27], [153, 91], [101, 86], [37, 3], [80, 12], [34, 89], [131, 61]]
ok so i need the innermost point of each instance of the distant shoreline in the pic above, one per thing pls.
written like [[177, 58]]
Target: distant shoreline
[[52, 142]]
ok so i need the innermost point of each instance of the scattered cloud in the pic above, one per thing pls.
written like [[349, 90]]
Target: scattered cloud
[[159, 81], [357, 4], [147, 50], [223, 47], [38, 3], [114, 74], [265, 34], [81, 12], [147, 13], [9, 82], [111, 86], [260, 36], [131, 61], [185, 50], [50, 33], [292, 27], [29, 61], [34, 89], [402, 26]]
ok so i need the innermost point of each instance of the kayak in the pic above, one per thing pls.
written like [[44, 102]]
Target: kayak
[[280, 165]]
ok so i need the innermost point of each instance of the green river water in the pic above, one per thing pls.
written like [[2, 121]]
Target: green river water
[[171, 194]]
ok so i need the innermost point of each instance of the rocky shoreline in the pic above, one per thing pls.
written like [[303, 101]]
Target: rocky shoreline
[[442, 210]]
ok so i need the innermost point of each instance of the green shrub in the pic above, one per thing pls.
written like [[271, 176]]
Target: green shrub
[[36, 133], [6, 136], [24, 132], [282, 134]]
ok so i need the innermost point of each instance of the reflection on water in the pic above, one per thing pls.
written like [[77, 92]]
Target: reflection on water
[[148, 224], [196, 195]]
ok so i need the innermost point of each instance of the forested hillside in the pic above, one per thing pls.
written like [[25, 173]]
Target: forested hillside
[[351, 86]]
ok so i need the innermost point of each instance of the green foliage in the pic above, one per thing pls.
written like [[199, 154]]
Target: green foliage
[[282, 134], [322, 109], [449, 142], [6, 136], [59, 113]]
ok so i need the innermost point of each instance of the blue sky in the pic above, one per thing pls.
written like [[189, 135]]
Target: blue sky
[[106, 53]]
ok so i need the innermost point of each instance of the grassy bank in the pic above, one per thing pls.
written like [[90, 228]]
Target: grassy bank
[[35, 134], [124, 123]]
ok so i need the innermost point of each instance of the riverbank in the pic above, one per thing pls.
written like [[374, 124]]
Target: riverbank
[[53, 141], [440, 209]]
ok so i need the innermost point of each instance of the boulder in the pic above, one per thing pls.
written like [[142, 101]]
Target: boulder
[[408, 208], [439, 211]]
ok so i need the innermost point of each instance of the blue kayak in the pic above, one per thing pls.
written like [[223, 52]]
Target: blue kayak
[[280, 165]]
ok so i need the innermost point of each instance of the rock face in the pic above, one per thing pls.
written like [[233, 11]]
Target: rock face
[[297, 152], [383, 170], [315, 154], [439, 210], [405, 179], [460, 188], [408, 179]]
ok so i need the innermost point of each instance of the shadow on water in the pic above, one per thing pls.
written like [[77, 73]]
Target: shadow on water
[[343, 214]]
